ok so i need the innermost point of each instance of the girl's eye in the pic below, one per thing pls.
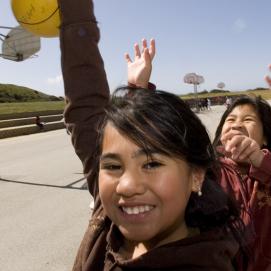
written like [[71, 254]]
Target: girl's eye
[[111, 167], [152, 165], [230, 120], [248, 119]]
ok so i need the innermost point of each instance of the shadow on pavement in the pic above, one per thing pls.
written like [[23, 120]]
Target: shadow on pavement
[[69, 186]]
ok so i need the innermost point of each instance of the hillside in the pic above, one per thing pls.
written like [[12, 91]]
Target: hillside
[[13, 93]]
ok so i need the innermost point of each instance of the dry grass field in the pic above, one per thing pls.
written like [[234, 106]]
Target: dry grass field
[[265, 93], [11, 108]]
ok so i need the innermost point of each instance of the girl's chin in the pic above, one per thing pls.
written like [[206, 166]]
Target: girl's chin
[[135, 238]]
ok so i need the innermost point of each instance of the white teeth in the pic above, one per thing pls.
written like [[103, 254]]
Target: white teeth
[[148, 208], [137, 209]]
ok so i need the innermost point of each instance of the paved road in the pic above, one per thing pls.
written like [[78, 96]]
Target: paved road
[[211, 118], [43, 210]]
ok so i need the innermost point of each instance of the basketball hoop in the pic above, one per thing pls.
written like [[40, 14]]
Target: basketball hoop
[[194, 79]]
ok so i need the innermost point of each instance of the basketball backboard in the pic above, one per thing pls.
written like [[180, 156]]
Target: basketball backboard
[[19, 44]]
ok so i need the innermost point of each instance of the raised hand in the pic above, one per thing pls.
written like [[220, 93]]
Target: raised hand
[[139, 70], [268, 78], [241, 148]]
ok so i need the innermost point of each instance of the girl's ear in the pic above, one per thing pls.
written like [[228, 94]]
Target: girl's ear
[[198, 175]]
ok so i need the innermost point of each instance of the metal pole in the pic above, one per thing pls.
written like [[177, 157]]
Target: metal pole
[[196, 97], [7, 27]]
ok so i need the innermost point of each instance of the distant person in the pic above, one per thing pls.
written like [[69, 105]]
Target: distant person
[[39, 123], [149, 163], [205, 103], [228, 101], [209, 104]]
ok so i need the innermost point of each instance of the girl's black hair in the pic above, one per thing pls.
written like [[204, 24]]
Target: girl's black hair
[[263, 109]]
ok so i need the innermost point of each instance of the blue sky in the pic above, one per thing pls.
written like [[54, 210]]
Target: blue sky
[[222, 40]]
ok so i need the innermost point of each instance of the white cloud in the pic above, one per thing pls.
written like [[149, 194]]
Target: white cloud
[[239, 25], [55, 80]]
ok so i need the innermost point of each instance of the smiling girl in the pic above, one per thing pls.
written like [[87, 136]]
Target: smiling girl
[[244, 133]]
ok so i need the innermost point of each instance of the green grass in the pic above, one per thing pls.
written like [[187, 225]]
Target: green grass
[[10, 108], [266, 94]]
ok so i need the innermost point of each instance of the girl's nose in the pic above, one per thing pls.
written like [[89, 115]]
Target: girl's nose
[[130, 184], [237, 125]]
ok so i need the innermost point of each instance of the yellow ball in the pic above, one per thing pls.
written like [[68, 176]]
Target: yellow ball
[[41, 17]]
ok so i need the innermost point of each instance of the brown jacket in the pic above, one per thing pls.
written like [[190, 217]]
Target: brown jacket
[[87, 94]]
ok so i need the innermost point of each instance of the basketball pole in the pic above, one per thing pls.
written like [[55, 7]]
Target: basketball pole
[[7, 27], [196, 97]]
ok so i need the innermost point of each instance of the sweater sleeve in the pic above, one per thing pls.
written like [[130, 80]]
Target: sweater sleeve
[[85, 83], [233, 185], [262, 173]]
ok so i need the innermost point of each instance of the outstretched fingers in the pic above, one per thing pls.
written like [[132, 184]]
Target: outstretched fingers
[[268, 78], [137, 51], [146, 55], [144, 44], [127, 58], [152, 48]]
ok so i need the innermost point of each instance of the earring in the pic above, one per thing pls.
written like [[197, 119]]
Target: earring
[[199, 192]]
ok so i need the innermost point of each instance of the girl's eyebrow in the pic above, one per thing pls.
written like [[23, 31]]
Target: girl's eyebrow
[[110, 155], [231, 115], [251, 115], [246, 115], [140, 152]]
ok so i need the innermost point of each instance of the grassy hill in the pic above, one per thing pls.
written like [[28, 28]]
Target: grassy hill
[[13, 93]]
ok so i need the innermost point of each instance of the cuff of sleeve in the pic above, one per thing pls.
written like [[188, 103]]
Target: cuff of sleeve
[[151, 86], [72, 11]]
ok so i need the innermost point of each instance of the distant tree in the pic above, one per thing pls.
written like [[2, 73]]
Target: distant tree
[[18, 97], [54, 98], [218, 91], [203, 92], [261, 89]]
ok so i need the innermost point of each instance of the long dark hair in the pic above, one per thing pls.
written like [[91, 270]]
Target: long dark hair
[[161, 121], [262, 108]]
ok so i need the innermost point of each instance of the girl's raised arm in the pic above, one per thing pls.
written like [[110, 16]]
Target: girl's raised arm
[[86, 87]]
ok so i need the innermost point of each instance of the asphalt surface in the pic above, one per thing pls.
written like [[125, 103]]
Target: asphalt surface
[[43, 210]]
